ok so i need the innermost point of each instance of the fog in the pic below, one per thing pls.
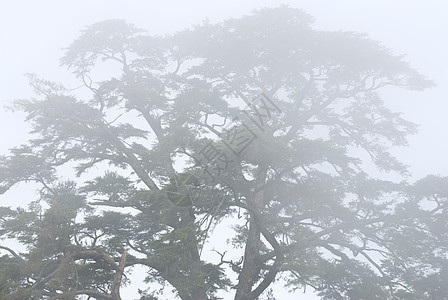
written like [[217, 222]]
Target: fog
[[35, 35]]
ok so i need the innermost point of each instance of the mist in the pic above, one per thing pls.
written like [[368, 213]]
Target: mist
[[223, 150]]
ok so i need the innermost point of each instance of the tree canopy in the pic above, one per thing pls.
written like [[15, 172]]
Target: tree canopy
[[261, 120]]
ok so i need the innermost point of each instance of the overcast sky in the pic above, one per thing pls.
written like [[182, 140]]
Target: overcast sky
[[33, 33]]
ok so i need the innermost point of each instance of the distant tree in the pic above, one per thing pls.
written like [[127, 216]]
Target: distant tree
[[262, 119]]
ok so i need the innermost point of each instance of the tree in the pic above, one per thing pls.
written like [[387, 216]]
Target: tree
[[180, 154]]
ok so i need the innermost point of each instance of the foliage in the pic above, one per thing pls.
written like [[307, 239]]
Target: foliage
[[162, 130]]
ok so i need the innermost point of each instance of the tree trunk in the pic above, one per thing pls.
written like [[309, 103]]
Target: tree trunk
[[118, 276], [249, 273], [251, 266], [200, 291]]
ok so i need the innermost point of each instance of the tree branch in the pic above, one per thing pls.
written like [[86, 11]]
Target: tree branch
[[12, 252]]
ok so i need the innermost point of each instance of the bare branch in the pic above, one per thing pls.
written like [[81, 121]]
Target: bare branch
[[12, 252]]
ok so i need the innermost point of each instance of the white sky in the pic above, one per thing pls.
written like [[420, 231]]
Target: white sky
[[33, 33]]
